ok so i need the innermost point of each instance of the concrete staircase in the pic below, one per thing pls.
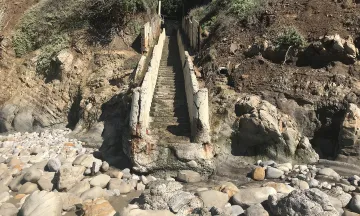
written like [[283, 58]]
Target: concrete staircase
[[169, 113]]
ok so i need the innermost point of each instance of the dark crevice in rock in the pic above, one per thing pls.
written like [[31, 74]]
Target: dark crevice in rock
[[74, 113], [325, 140]]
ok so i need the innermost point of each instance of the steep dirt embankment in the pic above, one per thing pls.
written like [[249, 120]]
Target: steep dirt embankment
[[68, 64], [301, 56]]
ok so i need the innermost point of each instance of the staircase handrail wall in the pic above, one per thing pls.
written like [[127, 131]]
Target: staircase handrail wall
[[196, 98], [143, 96]]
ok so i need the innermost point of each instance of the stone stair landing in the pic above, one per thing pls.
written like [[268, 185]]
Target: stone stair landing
[[169, 113]]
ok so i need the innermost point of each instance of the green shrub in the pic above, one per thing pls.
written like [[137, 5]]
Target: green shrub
[[245, 8], [290, 36]]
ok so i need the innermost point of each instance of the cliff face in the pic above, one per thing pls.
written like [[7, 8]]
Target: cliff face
[[302, 57], [68, 64]]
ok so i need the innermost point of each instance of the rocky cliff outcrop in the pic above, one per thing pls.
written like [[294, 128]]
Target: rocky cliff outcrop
[[255, 128]]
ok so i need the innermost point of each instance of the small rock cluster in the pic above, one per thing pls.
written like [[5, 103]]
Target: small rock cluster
[[47, 174], [323, 187]]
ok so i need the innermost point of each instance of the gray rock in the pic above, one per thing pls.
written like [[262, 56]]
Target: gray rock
[[236, 210], [33, 175], [23, 121], [80, 188], [101, 180], [251, 196], [313, 183], [273, 173], [46, 181], [179, 200], [339, 194], [328, 172], [306, 203], [355, 204], [54, 165], [213, 198], [69, 176], [93, 193], [41, 203], [337, 204], [8, 209], [159, 194], [15, 184], [256, 210], [188, 176]]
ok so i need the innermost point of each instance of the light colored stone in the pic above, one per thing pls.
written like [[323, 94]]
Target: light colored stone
[[69, 201], [349, 213], [134, 210], [258, 174], [98, 207], [328, 172], [273, 173], [80, 188], [33, 175], [93, 193], [256, 210], [236, 210], [115, 174], [279, 187], [228, 188], [313, 183], [251, 196], [4, 197], [8, 209], [101, 180], [28, 188], [140, 186], [42, 203], [188, 176], [54, 165], [69, 176], [105, 166], [46, 181], [213, 198]]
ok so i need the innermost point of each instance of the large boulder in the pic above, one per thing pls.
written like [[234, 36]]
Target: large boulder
[[160, 193], [41, 203], [306, 203], [262, 130]]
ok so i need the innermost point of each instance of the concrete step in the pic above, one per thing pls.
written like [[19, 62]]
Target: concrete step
[[168, 101], [174, 120], [166, 125]]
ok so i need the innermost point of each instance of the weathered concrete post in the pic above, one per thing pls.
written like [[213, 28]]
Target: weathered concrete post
[[134, 112], [201, 127], [159, 8]]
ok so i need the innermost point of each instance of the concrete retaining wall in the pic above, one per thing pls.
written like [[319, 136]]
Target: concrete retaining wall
[[142, 97], [149, 33], [197, 99]]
